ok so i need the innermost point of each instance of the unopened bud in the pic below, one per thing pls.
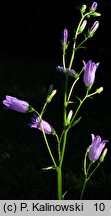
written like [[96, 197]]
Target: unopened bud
[[94, 28], [49, 98], [95, 14], [99, 90], [103, 155], [70, 115], [94, 6], [88, 149], [65, 36], [82, 27], [83, 8]]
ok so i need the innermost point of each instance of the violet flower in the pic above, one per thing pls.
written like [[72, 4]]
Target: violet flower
[[48, 129], [96, 147], [15, 104], [89, 72], [94, 6], [65, 36], [61, 69]]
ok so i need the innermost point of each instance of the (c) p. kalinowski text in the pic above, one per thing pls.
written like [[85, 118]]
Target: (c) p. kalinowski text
[[57, 207]]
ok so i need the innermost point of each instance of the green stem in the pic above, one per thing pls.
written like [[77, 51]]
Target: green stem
[[93, 171], [59, 180], [74, 45], [65, 90], [72, 87], [49, 150], [59, 169], [58, 142], [80, 104], [79, 46], [43, 109], [88, 177], [70, 92], [63, 148], [86, 174], [45, 138], [84, 185], [75, 38]]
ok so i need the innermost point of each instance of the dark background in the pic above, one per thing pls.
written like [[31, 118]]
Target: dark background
[[30, 50]]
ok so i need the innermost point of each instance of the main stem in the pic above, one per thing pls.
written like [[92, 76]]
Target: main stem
[[59, 169], [59, 180], [61, 153], [84, 185]]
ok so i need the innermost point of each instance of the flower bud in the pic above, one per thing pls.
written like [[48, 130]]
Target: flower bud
[[69, 116], [94, 6], [99, 90], [95, 14], [49, 98], [83, 8], [103, 155], [65, 36], [93, 28], [82, 27]]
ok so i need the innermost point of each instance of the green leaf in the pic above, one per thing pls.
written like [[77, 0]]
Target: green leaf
[[64, 195], [48, 168], [76, 122]]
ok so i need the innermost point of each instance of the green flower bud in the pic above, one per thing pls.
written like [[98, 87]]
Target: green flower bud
[[49, 98], [95, 14], [69, 116], [83, 9], [99, 90], [103, 155], [82, 27]]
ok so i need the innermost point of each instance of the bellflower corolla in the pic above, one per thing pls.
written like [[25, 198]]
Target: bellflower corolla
[[48, 129], [61, 69], [65, 36], [15, 104], [89, 72], [96, 147]]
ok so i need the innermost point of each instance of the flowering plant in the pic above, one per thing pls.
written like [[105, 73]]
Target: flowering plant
[[96, 151]]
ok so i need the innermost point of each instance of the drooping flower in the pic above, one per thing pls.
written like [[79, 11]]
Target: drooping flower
[[96, 147], [65, 36], [61, 69], [36, 123], [94, 6], [15, 104], [89, 72]]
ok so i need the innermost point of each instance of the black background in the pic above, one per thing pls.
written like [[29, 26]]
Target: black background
[[30, 50]]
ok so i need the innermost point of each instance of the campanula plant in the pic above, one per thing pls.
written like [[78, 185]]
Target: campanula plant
[[96, 151]]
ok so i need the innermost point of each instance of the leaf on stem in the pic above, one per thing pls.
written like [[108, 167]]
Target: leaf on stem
[[64, 195], [48, 168], [76, 122], [78, 99]]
